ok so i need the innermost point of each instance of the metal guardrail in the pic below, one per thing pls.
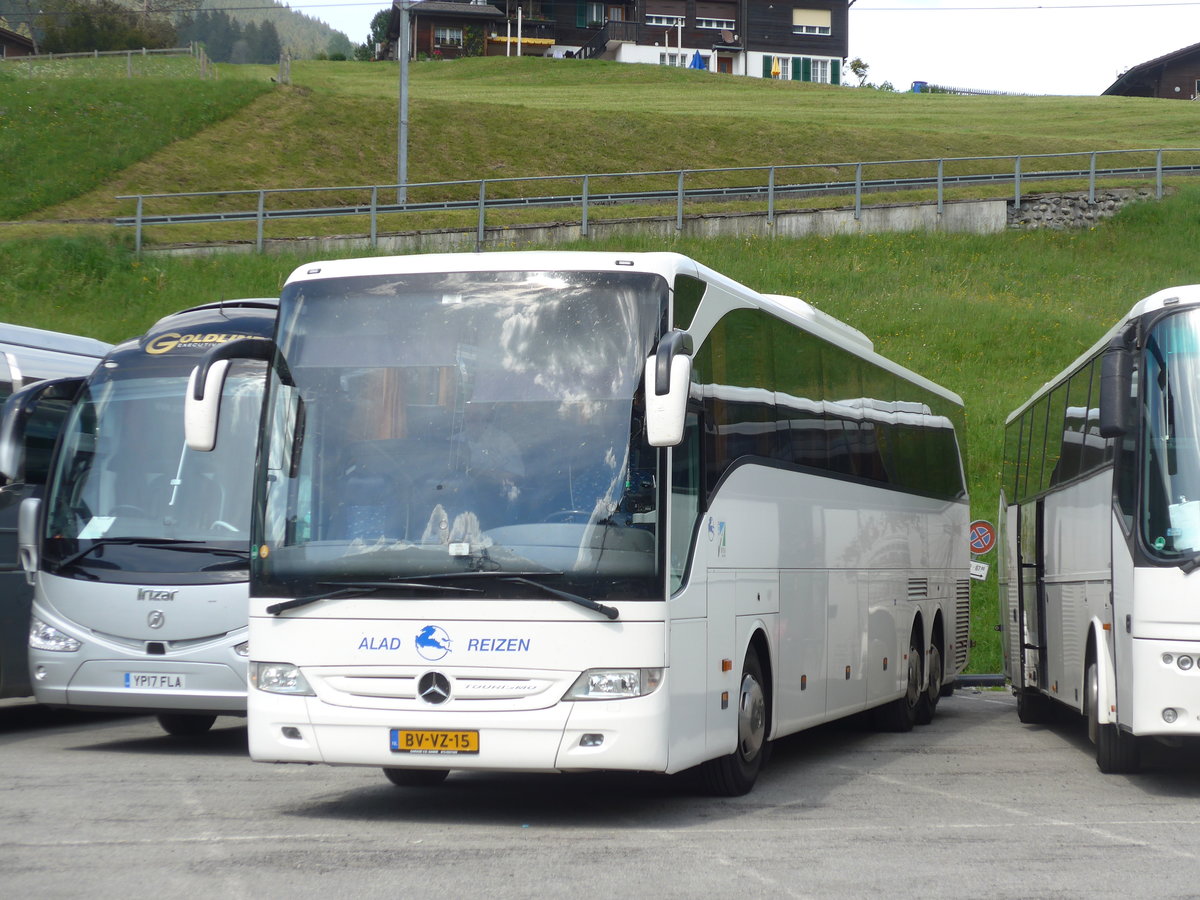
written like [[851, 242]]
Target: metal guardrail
[[773, 184]]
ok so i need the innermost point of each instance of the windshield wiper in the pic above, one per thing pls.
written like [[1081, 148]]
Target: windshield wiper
[[350, 588], [607, 611], [165, 543]]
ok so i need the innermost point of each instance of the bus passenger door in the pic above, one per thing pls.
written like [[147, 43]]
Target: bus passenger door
[[1031, 563]]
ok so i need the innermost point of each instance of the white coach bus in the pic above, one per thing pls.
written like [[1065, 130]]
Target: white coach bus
[[28, 355], [1100, 535], [574, 511], [139, 548]]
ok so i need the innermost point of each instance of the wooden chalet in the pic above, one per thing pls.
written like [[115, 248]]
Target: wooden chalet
[[13, 43], [806, 40], [1173, 76]]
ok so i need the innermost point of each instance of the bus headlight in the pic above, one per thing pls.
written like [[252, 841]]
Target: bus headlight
[[242, 649], [614, 684], [44, 637], [279, 678], [1184, 662]]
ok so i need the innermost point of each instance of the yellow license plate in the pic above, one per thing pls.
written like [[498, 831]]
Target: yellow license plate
[[436, 743]]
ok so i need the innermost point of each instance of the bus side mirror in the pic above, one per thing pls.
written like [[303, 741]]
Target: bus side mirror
[[202, 406], [28, 514], [668, 381], [29, 427], [1116, 385]]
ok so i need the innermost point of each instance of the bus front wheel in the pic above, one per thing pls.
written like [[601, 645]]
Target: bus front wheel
[[735, 774], [1116, 750], [416, 777], [184, 725]]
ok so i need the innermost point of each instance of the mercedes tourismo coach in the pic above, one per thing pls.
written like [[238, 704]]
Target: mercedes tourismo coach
[[138, 549], [573, 511], [1100, 509]]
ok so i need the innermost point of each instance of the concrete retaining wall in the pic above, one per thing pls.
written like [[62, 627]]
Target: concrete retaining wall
[[962, 216]]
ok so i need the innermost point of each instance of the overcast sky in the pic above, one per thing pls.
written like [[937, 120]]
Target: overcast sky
[[1021, 46]]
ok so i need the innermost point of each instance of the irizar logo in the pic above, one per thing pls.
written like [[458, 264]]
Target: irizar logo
[[156, 595]]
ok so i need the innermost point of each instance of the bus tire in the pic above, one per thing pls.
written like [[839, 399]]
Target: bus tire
[[1034, 707], [416, 777], [1117, 751], [901, 714], [184, 725], [927, 704], [735, 774]]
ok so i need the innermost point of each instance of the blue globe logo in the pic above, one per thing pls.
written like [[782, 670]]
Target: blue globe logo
[[432, 642]]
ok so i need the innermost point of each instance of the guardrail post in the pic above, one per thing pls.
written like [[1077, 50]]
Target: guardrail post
[[374, 205], [771, 197], [137, 240], [583, 228], [1158, 190], [1092, 178], [679, 204], [857, 191], [1017, 182], [941, 173], [261, 205], [482, 203]]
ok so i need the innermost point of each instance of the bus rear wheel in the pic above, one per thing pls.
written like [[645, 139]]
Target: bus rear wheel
[[901, 714], [735, 774], [416, 777], [184, 725], [927, 704], [1117, 751]]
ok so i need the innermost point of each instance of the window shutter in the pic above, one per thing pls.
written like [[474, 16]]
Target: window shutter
[[835, 71], [805, 69], [797, 72], [766, 67], [581, 14]]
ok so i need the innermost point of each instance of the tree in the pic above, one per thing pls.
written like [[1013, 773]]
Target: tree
[[103, 25], [378, 35], [859, 68]]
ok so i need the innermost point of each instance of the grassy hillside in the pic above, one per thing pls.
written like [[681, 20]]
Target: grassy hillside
[[498, 117], [991, 317]]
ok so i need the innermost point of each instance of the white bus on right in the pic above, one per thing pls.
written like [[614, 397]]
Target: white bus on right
[[1100, 536]]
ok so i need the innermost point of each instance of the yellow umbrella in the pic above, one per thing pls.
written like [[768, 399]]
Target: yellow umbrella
[[774, 66]]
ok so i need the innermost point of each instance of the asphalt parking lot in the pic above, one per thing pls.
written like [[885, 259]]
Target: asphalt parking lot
[[974, 805]]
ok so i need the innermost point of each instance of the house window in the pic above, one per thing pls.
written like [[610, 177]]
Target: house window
[[715, 24], [820, 71], [447, 36], [811, 21], [666, 21], [595, 13], [679, 60], [616, 14]]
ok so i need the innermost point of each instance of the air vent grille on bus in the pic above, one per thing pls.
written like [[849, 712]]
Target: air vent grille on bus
[[962, 622], [918, 588]]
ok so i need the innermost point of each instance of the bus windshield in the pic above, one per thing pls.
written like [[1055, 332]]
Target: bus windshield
[[439, 425], [127, 496], [1171, 449]]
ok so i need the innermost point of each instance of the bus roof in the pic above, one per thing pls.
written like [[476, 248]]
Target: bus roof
[[1180, 296]]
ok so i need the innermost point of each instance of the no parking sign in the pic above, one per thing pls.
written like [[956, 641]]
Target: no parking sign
[[982, 536]]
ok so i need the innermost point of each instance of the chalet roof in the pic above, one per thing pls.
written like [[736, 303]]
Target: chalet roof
[[455, 8], [1134, 75], [15, 37]]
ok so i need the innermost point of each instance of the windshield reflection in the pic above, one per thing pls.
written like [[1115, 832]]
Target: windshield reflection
[[1171, 451], [126, 488], [463, 422]]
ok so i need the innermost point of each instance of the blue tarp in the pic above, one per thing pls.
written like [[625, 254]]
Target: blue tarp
[[697, 61]]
